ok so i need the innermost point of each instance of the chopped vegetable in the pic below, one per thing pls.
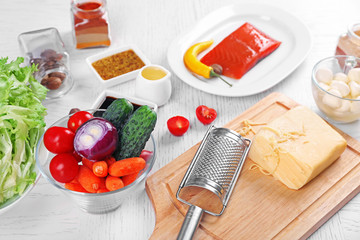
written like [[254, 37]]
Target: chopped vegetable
[[205, 114], [21, 126], [100, 169], [178, 125], [129, 179], [88, 163], [113, 183], [88, 180], [127, 166], [96, 139], [110, 160], [75, 187]]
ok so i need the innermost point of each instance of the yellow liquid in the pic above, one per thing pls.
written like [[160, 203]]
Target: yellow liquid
[[153, 73]]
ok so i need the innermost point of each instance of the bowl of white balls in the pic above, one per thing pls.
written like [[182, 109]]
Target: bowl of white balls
[[336, 88]]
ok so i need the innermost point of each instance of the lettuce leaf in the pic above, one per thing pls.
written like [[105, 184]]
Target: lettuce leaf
[[21, 126]]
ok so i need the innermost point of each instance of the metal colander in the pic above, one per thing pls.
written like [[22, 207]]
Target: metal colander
[[211, 176]]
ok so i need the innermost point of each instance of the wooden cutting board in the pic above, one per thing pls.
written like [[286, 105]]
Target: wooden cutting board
[[260, 207]]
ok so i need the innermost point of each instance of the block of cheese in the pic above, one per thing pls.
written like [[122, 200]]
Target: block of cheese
[[296, 147]]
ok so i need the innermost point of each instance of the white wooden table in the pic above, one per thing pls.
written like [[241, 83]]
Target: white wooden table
[[151, 25]]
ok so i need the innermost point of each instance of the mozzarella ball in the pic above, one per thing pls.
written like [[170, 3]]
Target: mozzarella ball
[[332, 101], [354, 75], [342, 87], [324, 86], [354, 89], [324, 75], [341, 77], [345, 106], [355, 106]]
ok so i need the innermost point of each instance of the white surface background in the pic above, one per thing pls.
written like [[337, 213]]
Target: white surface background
[[47, 214]]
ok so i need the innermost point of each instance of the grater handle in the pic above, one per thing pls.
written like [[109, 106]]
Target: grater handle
[[190, 224]]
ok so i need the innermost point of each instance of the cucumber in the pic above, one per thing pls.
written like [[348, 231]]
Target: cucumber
[[136, 132], [118, 112]]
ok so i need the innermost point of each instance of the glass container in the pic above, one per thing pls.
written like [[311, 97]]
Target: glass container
[[45, 49], [90, 23], [327, 96], [96, 203], [349, 43]]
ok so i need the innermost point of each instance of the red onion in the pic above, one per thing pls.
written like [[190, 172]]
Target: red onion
[[96, 139]]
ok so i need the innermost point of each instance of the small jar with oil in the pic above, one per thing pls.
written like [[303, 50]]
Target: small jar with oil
[[153, 84]]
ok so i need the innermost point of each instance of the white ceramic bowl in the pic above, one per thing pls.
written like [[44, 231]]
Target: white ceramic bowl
[[124, 77], [113, 94]]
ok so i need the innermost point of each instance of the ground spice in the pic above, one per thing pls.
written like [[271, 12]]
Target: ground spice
[[118, 64], [91, 27]]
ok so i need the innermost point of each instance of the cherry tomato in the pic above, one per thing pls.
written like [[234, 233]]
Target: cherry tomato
[[146, 155], [178, 125], [64, 167], [76, 120], [59, 140], [77, 156], [205, 114]]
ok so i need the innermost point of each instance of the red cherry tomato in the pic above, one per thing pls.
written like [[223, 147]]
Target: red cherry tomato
[[205, 114], [146, 155], [76, 120], [64, 167], [178, 125], [59, 140], [77, 156]]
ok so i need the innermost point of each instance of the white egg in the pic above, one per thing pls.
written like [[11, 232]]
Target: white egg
[[341, 77], [354, 89], [342, 87], [332, 101], [355, 106], [354, 75], [345, 106], [324, 86], [324, 75]]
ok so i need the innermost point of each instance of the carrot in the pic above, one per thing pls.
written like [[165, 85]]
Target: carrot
[[126, 166], [88, 180], [128, 179], [110, 160], [100, 168], [102, 190], [102, 183], [88, 163], [75, 187], [113, 183]]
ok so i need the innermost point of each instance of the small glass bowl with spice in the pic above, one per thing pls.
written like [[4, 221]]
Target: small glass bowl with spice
[[45, 49], [118, 65]]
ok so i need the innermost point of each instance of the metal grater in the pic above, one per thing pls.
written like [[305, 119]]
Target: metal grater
[[211, 176]]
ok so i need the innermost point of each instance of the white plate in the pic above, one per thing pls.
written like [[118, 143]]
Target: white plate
[[277, 23]]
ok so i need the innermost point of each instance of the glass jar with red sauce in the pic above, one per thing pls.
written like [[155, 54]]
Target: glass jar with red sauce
[[349, 43], [90, 23]]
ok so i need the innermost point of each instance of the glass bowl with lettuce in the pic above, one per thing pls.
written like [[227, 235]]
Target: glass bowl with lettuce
[[21, 126]]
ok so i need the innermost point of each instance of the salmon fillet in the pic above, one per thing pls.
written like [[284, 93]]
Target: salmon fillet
[[241, 50]]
